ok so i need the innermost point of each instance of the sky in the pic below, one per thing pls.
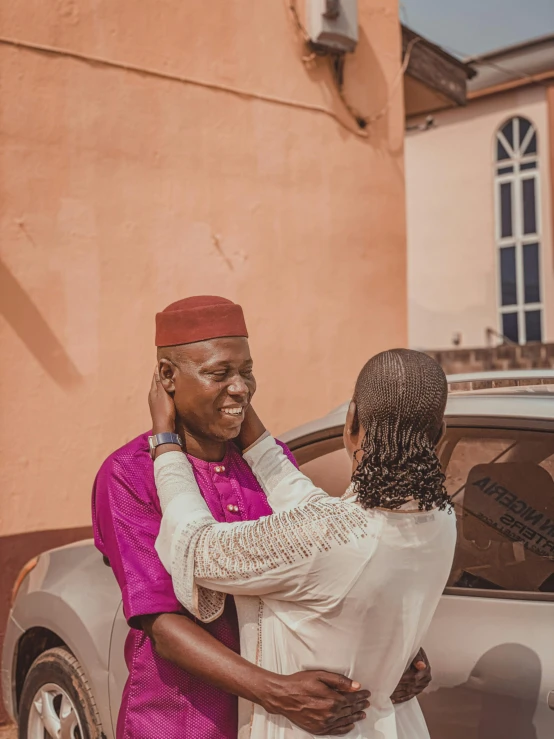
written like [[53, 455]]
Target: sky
[[468, 27]]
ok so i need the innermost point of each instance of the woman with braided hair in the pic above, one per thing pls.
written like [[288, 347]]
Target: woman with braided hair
[[346, 585], [399, 404]]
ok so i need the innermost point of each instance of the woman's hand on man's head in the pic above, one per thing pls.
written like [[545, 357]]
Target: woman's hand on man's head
[[162, 407], [251, 430]]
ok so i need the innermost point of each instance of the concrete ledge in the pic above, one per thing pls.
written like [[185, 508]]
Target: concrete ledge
[[504, 357]]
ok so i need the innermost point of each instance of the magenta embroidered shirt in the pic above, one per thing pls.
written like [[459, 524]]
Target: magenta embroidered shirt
[[160, 699]]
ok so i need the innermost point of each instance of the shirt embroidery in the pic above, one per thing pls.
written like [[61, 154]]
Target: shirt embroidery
[[247, 549]]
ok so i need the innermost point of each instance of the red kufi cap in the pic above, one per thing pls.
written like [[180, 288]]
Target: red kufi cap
[[199, 318]]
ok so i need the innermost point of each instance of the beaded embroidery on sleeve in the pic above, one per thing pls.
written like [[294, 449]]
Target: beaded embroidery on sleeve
[[245, 551]]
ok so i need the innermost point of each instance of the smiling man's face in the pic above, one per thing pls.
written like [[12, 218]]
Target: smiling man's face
[[212, 384]]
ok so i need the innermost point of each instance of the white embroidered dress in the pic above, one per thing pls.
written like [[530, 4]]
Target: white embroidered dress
[[321, 584]]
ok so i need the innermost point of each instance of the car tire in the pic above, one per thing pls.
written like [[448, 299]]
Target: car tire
[[56, 691]]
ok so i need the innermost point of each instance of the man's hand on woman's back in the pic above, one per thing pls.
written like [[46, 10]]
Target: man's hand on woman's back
[[414, 681], [321, 703]]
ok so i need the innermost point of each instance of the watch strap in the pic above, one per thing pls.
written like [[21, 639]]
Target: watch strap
[[157, 440]]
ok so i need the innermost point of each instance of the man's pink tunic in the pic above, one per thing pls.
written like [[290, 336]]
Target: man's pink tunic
[[161, 701]]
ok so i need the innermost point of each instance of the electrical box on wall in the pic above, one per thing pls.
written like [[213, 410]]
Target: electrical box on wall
[[333, 24]]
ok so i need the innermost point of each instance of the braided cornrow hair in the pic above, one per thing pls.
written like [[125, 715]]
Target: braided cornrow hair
[[400, 397]]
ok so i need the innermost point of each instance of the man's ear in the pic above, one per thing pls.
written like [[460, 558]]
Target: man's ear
[[167, 375]]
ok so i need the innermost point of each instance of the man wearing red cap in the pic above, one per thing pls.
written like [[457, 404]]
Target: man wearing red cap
[[184, 676]]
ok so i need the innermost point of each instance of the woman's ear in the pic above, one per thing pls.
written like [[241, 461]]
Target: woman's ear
[[351, 429], [440, 435]]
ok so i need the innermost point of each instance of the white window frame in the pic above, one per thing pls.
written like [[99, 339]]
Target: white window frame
[[518, 239]]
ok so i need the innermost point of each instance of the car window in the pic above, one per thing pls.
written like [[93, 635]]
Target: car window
[[502, 485], [327, 465]]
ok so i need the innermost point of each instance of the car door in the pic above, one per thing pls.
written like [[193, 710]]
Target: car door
[[118, 671], [491, 643]]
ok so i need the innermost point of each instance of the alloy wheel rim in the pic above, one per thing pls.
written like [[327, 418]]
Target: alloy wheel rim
[[53, 715]]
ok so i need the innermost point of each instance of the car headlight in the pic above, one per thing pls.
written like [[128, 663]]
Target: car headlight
[[29, 567]]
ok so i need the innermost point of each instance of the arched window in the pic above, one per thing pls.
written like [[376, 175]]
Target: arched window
[[518, 231]]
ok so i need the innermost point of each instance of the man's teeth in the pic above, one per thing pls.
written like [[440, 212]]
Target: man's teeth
[[232, 411]]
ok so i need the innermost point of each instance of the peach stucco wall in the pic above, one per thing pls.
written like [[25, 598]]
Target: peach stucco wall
[[452, 255], [122, 191]]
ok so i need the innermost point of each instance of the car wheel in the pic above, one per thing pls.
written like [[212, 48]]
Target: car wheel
[[56, 701]]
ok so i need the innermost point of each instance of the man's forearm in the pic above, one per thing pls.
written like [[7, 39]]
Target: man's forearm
[[318, 702], [183, 642]]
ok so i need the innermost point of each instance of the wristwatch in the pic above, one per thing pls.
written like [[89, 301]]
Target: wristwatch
[[159, 439]]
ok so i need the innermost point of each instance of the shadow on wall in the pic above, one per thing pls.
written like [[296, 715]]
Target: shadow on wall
[[498, 701], [27, 322], [375, 102]]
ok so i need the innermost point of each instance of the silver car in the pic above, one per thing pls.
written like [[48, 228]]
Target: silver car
[[491, 644]]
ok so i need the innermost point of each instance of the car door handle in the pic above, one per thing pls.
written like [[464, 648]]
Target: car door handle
[[550, 700]]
